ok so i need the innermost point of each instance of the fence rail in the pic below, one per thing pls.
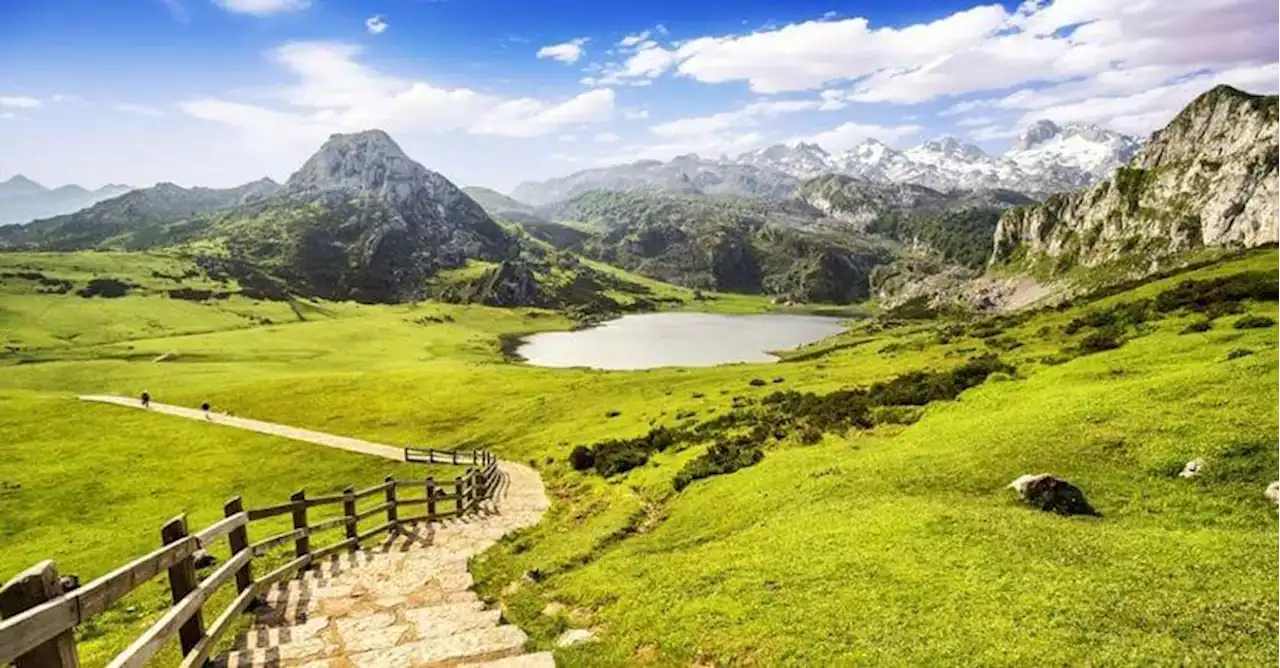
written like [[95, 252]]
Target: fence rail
[[39, 618]]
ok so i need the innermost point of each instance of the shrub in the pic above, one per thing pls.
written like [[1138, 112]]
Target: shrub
[[918, 388], [1219, 309], [1107, 339], [582, 458], [757, 382], [999, 377], [1238, 353], [1200, 295], [897, 414], [612, 414], [1253, 322], [721, 457], [1197, 326]]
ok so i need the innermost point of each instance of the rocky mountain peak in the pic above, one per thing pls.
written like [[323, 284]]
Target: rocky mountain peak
[[20, 185], [1035, 134], [952, 147]]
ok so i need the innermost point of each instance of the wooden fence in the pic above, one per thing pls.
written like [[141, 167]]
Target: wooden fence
[[39, 619]]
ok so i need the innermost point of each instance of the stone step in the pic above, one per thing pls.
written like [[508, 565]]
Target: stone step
[[443, 621], [535, 660], [474, 646]]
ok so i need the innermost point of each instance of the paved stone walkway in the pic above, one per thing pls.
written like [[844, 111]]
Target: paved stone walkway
[[406, 602]]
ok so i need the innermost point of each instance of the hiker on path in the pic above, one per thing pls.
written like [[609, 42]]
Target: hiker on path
[[205, 407], [146, 400]]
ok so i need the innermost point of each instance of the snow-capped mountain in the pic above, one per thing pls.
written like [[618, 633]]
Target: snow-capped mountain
[[1045, 145], [1047, 158]]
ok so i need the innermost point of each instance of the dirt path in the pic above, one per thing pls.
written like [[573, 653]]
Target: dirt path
[[404, 602], [319, 438]]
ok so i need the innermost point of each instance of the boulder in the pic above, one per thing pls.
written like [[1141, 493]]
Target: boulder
[[574, 637], [69, 583], [1053, 494], [1273, 492], [1192, 469], [204, 559]]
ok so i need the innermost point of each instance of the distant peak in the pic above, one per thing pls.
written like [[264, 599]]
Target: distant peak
[[21, 185], [1036, 133]]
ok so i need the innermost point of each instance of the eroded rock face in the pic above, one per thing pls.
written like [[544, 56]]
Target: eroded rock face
[[1208, 179], [1052, 494]]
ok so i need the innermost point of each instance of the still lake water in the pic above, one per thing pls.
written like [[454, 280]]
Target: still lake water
[[650, 340]]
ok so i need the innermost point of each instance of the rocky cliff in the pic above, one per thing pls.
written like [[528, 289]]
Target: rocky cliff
[[1207, 179]]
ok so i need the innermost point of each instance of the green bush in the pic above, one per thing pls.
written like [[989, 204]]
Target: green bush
[[1238, 353], [1201, 295], [721, 457], [581, 458], [1253, 322], [1197, 326], [1107, 339]]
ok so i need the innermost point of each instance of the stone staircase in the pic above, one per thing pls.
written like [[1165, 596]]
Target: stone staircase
[[407, 602]]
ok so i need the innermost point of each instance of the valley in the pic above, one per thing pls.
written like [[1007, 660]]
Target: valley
[[847, 503]]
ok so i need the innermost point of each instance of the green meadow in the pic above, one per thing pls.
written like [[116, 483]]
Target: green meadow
[[897, 544]]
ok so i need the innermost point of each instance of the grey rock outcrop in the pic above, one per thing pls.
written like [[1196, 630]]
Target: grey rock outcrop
[[1207, 179], [1052, 494]]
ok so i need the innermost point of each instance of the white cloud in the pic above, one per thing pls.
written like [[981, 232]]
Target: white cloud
[[19, 102], [976, 121], [263, 7], [632, 40], [64, 97], [992, 132], [646, 63], [605, 138], [138, 109], [847, 135], [566, 52], [334, 92], [635, 114], [568, 138], [376, 25]]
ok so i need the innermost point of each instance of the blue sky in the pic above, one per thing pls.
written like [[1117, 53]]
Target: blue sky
[[492, 92]]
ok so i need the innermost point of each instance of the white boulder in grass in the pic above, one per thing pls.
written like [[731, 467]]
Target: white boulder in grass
[[1192, 469], [1053, 494], [1273, 492]]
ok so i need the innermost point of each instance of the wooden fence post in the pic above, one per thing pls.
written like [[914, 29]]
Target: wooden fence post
[[454, 453], [239, 540], [431, 499], [457, 494], [349, 512], [475, 458], [302, 544], [182, 581], [391, 499], [27, 590]]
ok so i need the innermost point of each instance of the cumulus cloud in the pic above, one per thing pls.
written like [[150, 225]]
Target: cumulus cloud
[[635, 114], [138, 109], [376, 25], [332, 91], [605, 138], [263, 7], [633, 40], [1055, 51], [19, 102], [565, 52]]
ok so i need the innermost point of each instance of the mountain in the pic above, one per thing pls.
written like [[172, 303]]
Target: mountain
[[23, 200], [956, 226], [1047, 159], [128, 213], [1207, 179], [1045, 146], [494, 202], [19, 186], [683, 175], [359, 220]]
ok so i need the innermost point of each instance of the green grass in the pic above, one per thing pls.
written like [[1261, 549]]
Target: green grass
[[895, 546]]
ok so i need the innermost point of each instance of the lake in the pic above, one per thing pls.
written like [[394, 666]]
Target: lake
[[651, 340]]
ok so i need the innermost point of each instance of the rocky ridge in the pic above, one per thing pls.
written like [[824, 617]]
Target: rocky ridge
[[1208, 179]]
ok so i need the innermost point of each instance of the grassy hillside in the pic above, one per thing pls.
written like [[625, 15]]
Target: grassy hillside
[[895, 544]]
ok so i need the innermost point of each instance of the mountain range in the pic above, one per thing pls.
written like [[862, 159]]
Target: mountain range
[[22, 199], [1046, 158]]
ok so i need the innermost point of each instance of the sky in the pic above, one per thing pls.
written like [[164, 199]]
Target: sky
[[495, 92]]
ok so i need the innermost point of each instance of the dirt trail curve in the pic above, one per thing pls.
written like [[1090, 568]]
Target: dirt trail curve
[[406, 602]]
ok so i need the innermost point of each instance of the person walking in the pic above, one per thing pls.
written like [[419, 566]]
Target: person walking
[[146, 400], [205, 407]]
